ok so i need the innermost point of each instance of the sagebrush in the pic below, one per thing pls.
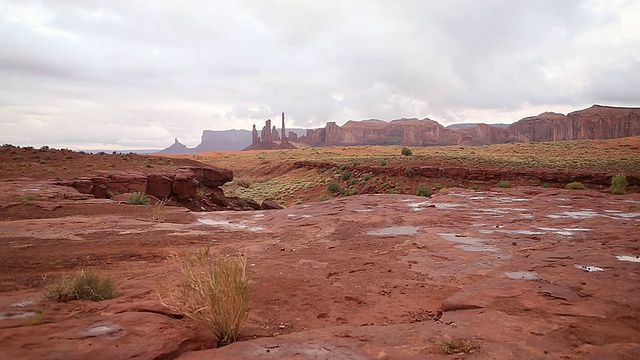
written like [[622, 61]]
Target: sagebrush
[[216, 293]]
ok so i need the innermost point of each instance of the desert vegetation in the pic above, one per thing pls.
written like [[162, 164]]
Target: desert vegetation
[[84, 285], [138, 198], [216, 293], [619, 184], [575, 185]]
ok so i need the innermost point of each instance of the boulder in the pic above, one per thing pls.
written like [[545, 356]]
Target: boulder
[[271, 205], [159, 185], [184, 184]]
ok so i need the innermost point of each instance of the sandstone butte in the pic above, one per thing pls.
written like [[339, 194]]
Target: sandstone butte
[[519, 273], [596, 122]]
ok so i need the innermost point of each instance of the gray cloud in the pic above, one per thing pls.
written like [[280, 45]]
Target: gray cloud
[[137, 74]]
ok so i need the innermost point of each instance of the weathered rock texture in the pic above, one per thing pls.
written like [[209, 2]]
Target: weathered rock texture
[[597, 122], [197, 188], [270, 138]]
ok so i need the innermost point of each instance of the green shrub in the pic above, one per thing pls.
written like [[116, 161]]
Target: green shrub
[[409, 171], [138, 198], [27, 199], [343, 167], [406, 151], [437, 186], [503, 184], [619, 184], [353, 181], [383, 163], [575, 186], [545, 185], [366, 177], [85, 285], [241, 203], [333, 187], [474, 187], [216, 294], [423, 191], [346, 176]]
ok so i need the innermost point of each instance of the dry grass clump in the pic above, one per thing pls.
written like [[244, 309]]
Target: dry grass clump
[[216, 294], [85, 285], [458, 346], [138, 198], [244, 182]]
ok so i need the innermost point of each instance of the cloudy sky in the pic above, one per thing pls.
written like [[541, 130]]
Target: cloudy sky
[[116, 74]]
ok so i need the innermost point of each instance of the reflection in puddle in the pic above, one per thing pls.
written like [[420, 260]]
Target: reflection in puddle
[[228, 225], [526, 275], [589, 268], [20, 315], [23, 303], [395, 230], [306, 216], [628, 258], [469, 243], [112, 330]]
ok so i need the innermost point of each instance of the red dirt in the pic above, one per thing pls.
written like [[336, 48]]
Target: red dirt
[[325, 285]]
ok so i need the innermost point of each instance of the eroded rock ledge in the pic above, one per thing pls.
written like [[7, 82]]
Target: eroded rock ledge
[[197, 188]]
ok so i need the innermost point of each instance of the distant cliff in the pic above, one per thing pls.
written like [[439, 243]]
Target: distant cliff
[[596, 122], [231, 140]]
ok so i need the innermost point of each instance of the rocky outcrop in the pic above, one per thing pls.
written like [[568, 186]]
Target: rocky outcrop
[[197, 188], [596, 122], [270, 138]]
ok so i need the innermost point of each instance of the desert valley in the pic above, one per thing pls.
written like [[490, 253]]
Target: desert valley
[[516, 250]]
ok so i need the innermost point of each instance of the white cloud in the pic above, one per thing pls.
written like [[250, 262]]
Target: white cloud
[[140, 73]]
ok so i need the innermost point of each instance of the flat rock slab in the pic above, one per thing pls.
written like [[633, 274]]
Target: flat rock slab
[[360, 277]]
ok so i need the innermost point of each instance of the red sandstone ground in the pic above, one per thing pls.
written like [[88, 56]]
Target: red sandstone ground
[[525, 272]]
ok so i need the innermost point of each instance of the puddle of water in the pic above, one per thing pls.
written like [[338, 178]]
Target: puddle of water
[[627, 215], [526, 275], [447, 205], [258, 215], [226, 224], [578, 215], [628, 258], [363, 210], [395, 230], [102, 330], [23, 303], [469, 243], [306, 216], [20, 315], [521, 232], [588, 268]]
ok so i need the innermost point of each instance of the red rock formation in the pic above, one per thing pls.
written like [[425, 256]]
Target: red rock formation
[[183, 186], [255, 138], [284, 133], [266, 132], [596, 122], [274, 134]]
